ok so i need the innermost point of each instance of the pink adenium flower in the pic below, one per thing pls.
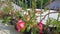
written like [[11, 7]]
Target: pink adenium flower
[[20, 25], [41, 26]]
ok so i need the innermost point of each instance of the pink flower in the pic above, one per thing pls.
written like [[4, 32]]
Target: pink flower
[[20, 25], [41, 26]]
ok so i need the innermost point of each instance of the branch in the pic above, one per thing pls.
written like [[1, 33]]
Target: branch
[[49, 13]]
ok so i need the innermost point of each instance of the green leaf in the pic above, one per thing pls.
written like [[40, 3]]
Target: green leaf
[[34, 31], [22, 30], [57, 30], [28, 29], [6, 9], [6, 19], [45, 9]]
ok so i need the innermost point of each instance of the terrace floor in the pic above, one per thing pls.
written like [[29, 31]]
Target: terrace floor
[[5, 29]]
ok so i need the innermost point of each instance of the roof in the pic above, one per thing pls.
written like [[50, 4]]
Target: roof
[[54, 5]]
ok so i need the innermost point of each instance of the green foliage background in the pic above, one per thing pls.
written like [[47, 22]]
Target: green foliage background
[[28, 2]]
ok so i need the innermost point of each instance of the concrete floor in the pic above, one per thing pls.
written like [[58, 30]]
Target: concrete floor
[[7, 29]]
